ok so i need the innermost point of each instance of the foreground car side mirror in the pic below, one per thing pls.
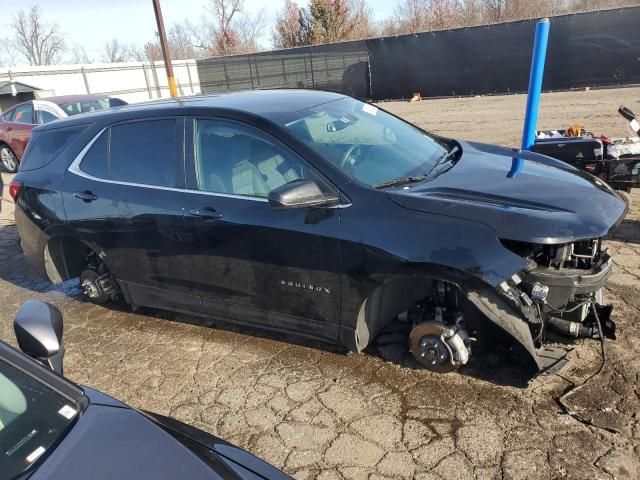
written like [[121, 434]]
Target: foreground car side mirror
[[300, 194], [38, 329]]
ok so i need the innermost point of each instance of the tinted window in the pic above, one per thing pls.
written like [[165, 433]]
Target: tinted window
[[95, 161], [23, 114], [44, 117], [45, 146], [242, 161], [145, 152], [33, 417]]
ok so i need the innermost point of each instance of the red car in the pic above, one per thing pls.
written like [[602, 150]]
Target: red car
[[17, 122]]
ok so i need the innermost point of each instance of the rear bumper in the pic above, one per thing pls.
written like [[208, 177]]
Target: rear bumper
[[33, 241]]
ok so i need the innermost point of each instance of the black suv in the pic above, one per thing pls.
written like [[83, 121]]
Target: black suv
[[317, 214]]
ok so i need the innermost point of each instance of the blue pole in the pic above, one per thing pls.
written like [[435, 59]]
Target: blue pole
[[535, 89]]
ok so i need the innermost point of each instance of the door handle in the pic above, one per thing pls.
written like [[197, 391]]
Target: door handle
[[206, 212], [85, 196]]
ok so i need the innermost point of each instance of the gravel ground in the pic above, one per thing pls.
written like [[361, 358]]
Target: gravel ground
[[318, 413]]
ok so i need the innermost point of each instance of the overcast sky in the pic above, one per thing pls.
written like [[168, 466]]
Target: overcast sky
[[93, 22]]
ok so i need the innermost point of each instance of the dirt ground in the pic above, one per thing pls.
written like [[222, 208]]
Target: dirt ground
[[320, 413]]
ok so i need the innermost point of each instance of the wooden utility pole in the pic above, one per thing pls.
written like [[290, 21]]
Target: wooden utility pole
[[166, 54]]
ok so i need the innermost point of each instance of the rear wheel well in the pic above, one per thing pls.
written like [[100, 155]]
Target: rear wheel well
[[65, 258]]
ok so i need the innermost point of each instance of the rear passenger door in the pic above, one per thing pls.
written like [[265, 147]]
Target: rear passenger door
[[278, 269], [124, 196]]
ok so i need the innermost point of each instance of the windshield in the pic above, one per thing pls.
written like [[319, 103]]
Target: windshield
[[365, 142], [33, 417], [91, 105]]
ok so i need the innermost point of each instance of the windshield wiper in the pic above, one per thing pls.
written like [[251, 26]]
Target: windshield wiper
[[400, 181], [443, 159]]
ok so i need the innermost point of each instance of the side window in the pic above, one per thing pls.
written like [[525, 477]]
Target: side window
[[239, 160], [8, 115], [43, 117], [146, 152], [23, 114], [96, 160]]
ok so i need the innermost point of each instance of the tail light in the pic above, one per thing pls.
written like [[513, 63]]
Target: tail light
[[14, 189]]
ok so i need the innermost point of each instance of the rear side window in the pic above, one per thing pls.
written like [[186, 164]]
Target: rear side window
[[46, 145], [145, 153], [96, 160]]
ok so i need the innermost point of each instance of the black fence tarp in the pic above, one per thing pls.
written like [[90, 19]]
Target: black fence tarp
[[341, 67], [585, 50], [588, 49]]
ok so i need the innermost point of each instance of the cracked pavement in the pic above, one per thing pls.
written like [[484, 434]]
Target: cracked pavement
[[319, 413]]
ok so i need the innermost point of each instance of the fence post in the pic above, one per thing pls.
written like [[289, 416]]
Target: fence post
[[313, 80], [189, 76], [146, 79], [284, 72], [86, 80], [251, 72]]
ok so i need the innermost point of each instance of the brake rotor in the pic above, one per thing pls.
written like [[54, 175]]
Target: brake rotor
[[428, 344]]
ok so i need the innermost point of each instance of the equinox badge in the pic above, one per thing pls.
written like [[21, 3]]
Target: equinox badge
[[305, 286]]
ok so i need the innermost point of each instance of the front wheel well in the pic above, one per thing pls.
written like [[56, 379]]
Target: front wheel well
[[65, 258]]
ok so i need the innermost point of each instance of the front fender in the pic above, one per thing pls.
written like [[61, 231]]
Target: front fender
[[497, 310]]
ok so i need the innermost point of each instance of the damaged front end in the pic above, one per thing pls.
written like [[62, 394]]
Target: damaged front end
[[557, 297], [559, 293]]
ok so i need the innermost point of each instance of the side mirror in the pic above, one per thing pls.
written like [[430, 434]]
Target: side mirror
[[38, 329], [300, 194]]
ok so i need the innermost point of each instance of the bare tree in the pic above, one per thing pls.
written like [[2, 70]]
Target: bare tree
[[38, 42], [289, 31], [249, 28], [79, 54], [362, 18], [115, 51], [226, 38], [324, 21]]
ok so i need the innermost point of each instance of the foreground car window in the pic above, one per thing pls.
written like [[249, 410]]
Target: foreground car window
[[366, 143], [145, 153], [238, 160], [33, 417]]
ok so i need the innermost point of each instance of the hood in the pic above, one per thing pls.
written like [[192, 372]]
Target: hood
[[109, 443], [549, 201]]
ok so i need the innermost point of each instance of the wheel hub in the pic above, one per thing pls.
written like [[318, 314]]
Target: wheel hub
[[90, 289], [438, 347], [433, 350]]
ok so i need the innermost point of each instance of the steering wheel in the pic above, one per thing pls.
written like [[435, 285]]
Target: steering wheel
[[348, 155]]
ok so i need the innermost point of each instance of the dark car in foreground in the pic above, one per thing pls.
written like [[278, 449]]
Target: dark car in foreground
[[316, 214], [51, 428], [17, 122]]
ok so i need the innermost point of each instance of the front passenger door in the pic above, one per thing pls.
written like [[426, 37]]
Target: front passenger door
[[278, 269]]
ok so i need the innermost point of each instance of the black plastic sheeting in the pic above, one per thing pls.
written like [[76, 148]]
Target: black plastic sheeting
[[340, 67], [588, 49], [585, 50]]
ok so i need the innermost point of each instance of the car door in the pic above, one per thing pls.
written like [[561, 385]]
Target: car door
[[124, 196], [254, 264], [18, 129]]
